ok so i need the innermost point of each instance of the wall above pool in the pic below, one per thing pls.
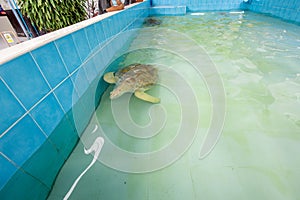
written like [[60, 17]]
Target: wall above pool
[[285, 9], [200, 5]]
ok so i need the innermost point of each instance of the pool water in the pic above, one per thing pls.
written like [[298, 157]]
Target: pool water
[[154, 151]]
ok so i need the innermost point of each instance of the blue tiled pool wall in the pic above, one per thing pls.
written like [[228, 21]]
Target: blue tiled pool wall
[[167, 10], [41, 90], [285, 9], [200, 5]]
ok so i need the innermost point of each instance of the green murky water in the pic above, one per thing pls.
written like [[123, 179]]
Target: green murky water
[[256, 156]]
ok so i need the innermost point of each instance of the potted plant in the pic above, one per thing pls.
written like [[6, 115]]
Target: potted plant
[[50, 15]]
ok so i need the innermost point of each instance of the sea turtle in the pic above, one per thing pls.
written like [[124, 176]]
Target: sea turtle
[[152, 22], [135, 78]]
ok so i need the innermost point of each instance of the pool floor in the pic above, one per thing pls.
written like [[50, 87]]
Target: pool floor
[[256, 155]]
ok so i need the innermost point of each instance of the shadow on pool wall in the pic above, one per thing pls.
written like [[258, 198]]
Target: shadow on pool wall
[[40, 91]]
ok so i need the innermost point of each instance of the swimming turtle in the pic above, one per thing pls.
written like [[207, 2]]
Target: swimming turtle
[[152, 22], [135, 78]]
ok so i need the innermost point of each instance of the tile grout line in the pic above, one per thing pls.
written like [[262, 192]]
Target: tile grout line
[[81, 66], [21, 168], [77, 68], [64, 80], [10, 160], [18, 100], [48, 94]]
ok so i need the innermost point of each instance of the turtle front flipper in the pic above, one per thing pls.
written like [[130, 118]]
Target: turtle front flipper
[[146, 97], [109, 77]]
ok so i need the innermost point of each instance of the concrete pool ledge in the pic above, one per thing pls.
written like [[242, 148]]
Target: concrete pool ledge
[[10, 53]]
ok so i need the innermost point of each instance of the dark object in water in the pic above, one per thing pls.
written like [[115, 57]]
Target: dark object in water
[[152, 22]]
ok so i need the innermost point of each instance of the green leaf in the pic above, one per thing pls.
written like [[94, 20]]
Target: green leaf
[[53, 14]]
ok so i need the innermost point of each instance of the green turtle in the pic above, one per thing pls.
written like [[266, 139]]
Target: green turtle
[[135, 78], [152, 22]]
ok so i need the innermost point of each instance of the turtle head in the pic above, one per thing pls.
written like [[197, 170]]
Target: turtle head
[[120, 90], [116, 93]]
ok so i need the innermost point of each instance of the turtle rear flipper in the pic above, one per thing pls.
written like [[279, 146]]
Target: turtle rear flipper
[[109, 77], [146, 97]]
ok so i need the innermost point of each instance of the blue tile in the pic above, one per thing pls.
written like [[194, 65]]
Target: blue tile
[[276, 11], [66, 94], [23, 186], [89, 98], [111, 50], [120, 23], [105, 55], [106, 24], [178, 10], [282, 2], [44, 164], [114, 46], [100, 32], [292, 16], [7, 170], [80, 82], [80, 118], [90, 69], [50, 62], [81, 43], [295, 5], [83, 111], [11, 110], [24, 78], [22, 141], [298, 17], [115, 23], [64, 137], [68, 52], [48, 114], [99, 63], [91, 36]]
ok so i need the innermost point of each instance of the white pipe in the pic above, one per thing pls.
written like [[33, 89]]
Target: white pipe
[[96, 148]]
